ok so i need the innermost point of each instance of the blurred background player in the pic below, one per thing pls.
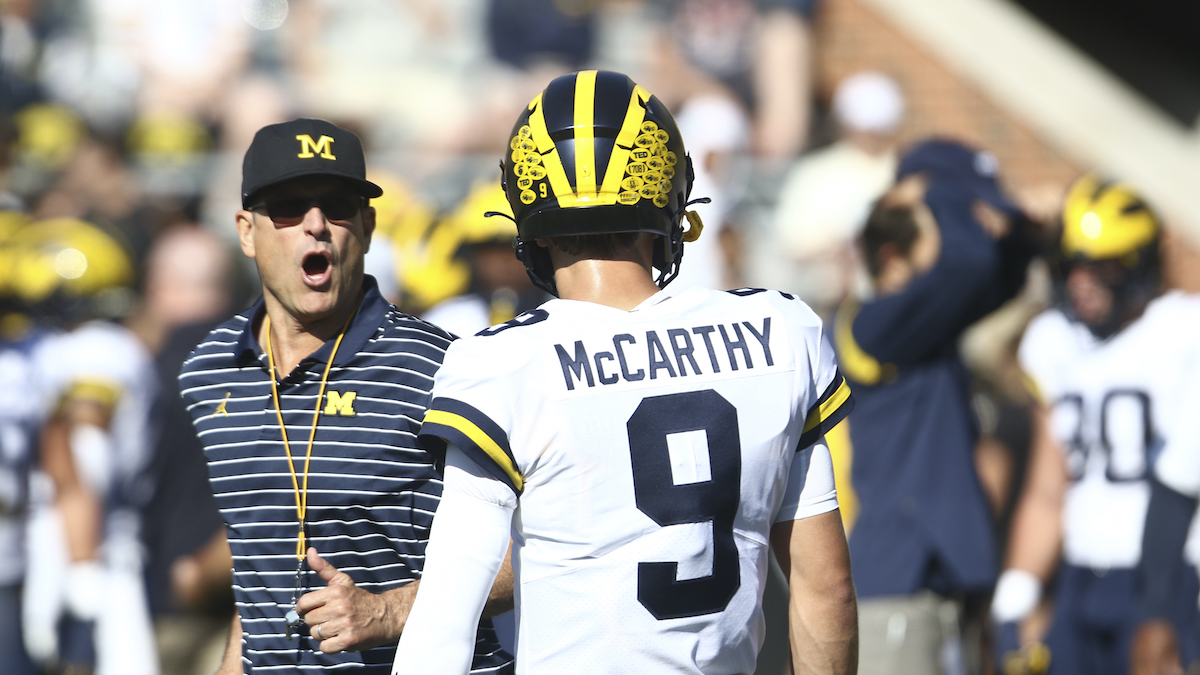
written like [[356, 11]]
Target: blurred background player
[[1167, 567], [944, 247], [98, 383], [662, 550], [1111, 365], [21, 418], [498, 288]]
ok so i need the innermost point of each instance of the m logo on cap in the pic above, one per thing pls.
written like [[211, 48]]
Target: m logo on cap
[[308, 146]]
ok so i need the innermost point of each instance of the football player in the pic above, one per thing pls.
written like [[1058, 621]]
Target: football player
[[1109, 365], [98, 383], [644, 447], [21, 415], [1167, 550]]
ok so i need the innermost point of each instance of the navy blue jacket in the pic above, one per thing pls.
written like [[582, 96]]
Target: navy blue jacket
[[924, 521]]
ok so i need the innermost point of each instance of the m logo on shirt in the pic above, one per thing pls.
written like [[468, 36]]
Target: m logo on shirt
[[322, 146], [340, 404]]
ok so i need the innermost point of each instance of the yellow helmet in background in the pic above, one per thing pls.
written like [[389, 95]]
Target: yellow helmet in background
[[10, 223], [400, 215], [424, 252], [68, 270], [432, 267], [473, 224], [1104, 220], [168, 138], [47, 134], [14, 315], [1111, 229]]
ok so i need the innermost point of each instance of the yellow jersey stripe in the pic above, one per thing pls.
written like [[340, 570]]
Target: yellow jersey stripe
[[856, 362], [828, 407], [585, 139], [554, 166], [102, 391], [481, 439], [1032, 387]]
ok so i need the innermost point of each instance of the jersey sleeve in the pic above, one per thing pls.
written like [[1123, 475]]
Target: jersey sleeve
[[810, 488], [1176, 464], [466, 548], [1042, 349], [472, 407], [833, 400], [95, 363]]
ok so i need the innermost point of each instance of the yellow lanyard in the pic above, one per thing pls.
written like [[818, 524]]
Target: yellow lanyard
[[301, 492]]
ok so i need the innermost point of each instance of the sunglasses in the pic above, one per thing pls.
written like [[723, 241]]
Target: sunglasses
[[335, 207]]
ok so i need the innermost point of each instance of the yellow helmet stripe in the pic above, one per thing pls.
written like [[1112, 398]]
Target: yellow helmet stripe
[[554, 166], [585, 138], [624, 143]]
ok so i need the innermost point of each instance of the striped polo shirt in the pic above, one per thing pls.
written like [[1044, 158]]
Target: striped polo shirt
[[372, 490]]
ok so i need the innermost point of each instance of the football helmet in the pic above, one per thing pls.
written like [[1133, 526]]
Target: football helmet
[[68, 270], [1109, 226], [472, 223], [595, 153]]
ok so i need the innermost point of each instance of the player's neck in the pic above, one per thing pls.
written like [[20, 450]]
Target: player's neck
[[293, 339], [623, 284]]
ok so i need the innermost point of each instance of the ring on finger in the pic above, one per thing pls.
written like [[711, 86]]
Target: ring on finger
[[320, 635]]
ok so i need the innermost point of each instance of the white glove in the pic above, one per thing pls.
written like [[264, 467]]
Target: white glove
[[86, 586], [1017, 594], [42, 600]]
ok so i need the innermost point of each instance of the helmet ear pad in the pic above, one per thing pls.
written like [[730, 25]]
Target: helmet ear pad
[[538, 264]]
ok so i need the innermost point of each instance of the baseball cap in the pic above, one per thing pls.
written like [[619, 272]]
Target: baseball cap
[[304, 147], [955, 163]]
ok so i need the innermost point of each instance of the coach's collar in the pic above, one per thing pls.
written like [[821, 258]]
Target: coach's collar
[[366, 322]]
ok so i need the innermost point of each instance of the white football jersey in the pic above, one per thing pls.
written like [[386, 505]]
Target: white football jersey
[[105, 360], [1115, 407], [651, 451], [21, 416]]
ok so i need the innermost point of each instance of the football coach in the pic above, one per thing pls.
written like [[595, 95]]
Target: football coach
[[308, 405]]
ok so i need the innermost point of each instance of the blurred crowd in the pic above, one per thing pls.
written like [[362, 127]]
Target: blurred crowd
[[122, 128]]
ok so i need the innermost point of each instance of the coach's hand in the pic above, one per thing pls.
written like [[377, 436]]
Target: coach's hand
[[1155, 650], [345, 617]]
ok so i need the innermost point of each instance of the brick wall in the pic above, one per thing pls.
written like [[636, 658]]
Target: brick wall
[[850, 37]]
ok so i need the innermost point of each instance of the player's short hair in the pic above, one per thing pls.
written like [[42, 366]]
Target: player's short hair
[[894, 224], [596, 245]]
